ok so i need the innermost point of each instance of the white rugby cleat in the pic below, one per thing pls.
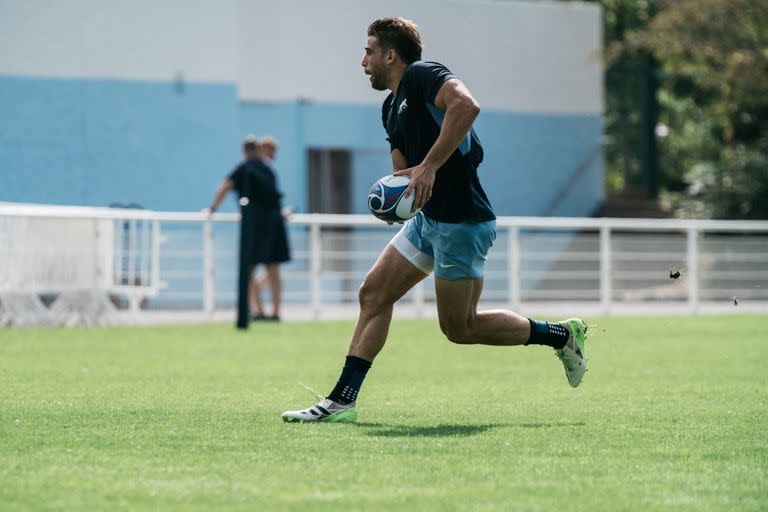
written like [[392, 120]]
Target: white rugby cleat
[[327, 411]]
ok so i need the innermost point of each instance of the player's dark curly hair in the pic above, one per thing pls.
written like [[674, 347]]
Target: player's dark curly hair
[[399, 34]]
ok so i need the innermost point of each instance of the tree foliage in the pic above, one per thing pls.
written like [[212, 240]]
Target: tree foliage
[[723, 46], [623, 95], [713, 76]]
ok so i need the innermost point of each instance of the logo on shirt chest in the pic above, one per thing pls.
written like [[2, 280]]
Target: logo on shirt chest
[[402, 107]]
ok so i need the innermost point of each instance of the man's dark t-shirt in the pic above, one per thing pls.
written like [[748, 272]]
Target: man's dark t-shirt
[[412, 122], [256, 180]]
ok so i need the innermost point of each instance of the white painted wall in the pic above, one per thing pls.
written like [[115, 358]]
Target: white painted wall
[[136, 39], [519, 56]]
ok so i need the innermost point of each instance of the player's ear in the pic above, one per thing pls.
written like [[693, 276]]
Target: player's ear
[[391, 56]]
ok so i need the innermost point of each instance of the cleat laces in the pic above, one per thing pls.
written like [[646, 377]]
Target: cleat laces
[[312, 392]]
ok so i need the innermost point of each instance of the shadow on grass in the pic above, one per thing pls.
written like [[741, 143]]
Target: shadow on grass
[[383, 430]]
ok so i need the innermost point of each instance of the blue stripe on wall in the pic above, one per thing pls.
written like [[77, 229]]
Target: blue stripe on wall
[[301, 125], [95, 142], [529, 159]]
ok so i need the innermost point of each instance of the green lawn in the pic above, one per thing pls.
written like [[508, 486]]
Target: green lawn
[[673, 415]]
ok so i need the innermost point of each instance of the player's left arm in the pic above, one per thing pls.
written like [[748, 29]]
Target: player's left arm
[[461, 110]]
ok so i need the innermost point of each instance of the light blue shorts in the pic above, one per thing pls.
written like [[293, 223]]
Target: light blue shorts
[[452, 250]]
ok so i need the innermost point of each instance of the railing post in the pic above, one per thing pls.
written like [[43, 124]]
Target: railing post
[[208, 267], [513, 269], [130, 279], [100, 272], [156, 254], [692, 260], [145, 254], [606, 288], [314, 268]]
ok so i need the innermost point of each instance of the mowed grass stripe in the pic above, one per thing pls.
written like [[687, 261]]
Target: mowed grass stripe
[[671, 416]]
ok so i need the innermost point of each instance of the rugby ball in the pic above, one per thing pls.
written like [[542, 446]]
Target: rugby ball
[[387, 200]]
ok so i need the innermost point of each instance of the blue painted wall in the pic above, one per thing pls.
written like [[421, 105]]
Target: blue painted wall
[[96, 142], [301, 125], [530, 158], [167, 147]]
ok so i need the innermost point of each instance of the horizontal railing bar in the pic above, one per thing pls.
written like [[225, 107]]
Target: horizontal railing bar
[[335, 220]]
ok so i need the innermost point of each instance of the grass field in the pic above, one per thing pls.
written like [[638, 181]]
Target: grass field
[[673, 415]]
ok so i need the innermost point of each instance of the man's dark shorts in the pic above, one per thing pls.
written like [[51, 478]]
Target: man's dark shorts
[[270, 238]]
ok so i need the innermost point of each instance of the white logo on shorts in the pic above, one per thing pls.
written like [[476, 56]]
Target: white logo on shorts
[[443, 265]]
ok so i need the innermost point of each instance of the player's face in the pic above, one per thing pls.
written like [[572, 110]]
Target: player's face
[[373, 63]]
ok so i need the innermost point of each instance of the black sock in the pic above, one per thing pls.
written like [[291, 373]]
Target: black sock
[[547, 333], [350, 380]]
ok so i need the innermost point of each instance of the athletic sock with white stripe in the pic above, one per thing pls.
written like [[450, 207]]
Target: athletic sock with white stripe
[[350, 380], [547, 333]]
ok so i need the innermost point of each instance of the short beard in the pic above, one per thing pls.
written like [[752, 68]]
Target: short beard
[[377, 83]]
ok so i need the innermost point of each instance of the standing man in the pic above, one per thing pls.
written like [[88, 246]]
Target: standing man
[[428, 118], [255, 180], [280, 252]]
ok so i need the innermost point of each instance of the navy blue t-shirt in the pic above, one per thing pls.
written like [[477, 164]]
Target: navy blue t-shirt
[[412, 122], [256, 180]]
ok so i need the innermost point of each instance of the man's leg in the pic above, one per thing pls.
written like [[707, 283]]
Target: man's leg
[[462, 323], [276, 286], [254, 294], [390, 278]]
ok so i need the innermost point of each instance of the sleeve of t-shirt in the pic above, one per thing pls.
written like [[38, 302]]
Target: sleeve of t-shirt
[[236, 176], [423, 80]]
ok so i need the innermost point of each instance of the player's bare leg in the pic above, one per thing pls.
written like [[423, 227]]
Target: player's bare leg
[[462, 323], [390, 278]]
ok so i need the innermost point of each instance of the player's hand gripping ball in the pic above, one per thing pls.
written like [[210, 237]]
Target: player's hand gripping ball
[[387, 200]]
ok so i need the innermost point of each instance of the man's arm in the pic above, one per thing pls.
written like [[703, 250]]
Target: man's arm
[[222, 191], [399, 161], [461, 110]]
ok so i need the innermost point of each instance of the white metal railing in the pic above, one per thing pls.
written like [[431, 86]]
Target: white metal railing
[[66, 265], [171, 260]]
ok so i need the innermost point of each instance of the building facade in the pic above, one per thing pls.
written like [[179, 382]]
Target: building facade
[[146, 103]]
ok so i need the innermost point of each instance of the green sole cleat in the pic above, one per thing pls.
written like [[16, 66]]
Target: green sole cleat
[[573, 355]]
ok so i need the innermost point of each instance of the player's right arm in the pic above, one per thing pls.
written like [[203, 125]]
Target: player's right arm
[[398, 160]]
